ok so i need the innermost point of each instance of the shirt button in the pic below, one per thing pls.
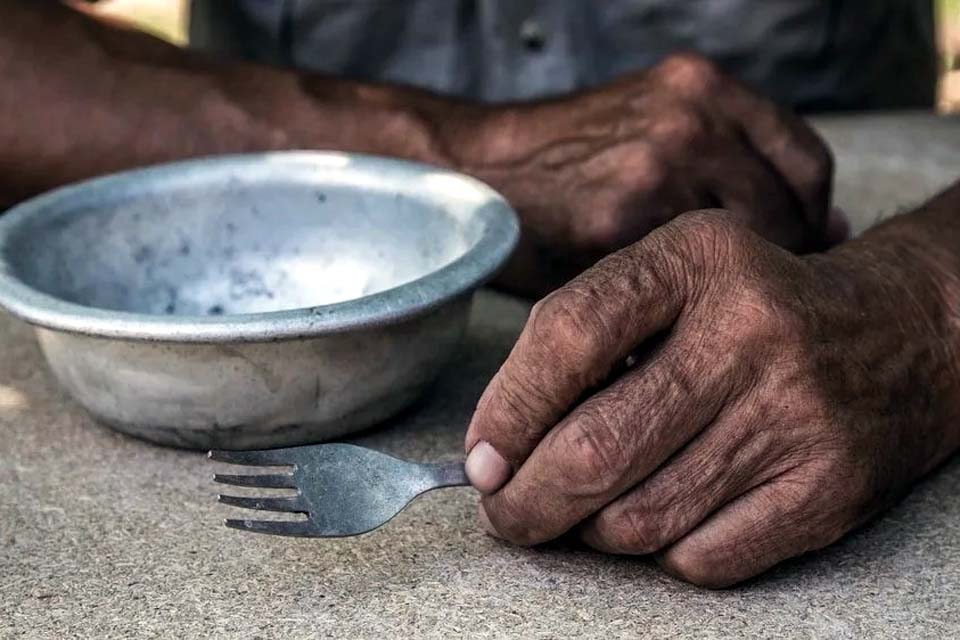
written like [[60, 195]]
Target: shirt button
[[532, 35]]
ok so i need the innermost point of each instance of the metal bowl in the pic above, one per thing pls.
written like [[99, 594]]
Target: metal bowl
[[252, 301]]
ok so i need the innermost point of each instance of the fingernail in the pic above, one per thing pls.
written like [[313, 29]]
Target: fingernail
[[485, 522], [486, 468]]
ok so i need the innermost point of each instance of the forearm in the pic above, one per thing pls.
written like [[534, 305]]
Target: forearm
[[80, 98], [918, 253]]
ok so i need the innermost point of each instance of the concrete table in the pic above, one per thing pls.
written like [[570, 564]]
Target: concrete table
[[102, 535]]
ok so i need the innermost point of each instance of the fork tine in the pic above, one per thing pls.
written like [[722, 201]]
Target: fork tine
[[263, 458], [293, 504], [265, 481], [302, 529]]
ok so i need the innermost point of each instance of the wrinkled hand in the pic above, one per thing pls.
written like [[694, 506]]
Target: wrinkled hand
[[774, 402], [593, 173]]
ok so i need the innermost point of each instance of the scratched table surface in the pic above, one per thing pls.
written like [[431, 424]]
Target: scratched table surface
[[104, 536]]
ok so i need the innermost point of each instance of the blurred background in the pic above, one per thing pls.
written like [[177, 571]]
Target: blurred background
[[168, 18], [948, 15]]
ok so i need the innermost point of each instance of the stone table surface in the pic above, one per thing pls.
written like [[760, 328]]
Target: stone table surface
[[105, 536]]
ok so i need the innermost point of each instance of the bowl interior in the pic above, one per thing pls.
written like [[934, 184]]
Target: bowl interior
[[223, 240]]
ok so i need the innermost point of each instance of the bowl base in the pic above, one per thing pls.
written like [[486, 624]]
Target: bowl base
[[260, 436]]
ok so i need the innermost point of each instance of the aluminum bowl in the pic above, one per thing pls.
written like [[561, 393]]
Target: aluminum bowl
[[252, 301]]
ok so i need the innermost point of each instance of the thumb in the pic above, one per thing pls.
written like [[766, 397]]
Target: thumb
[[575, 338]]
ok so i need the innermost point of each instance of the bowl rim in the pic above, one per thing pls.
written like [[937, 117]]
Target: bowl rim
[[479, 263]]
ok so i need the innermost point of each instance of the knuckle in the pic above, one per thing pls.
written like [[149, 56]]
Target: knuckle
[[597, 452], [708, 225], [671, 261], [646, 274], [630, 530], [682, 127], [816, 504], [693, 74], [709, 237], [719, 226], [517, 399], [698, 566], [814, 508], [662, 262], [568, 324], [814, 168]]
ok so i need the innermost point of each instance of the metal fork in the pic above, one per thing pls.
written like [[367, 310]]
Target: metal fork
[[344, 490]]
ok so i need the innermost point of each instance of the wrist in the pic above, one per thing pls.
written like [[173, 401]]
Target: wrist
[[392, 121], [904, 271], [918, 252], [501, 146], [287, 110], [901, 280], [496, 138]]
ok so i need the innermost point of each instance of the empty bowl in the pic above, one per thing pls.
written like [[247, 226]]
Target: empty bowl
[[252, 301]]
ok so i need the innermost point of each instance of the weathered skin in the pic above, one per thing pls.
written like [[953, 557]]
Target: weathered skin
[[588, 173], [775, 402]]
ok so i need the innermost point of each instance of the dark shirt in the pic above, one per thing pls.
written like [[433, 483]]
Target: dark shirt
[[811, 54]]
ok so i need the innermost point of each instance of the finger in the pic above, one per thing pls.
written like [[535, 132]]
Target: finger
[[708, 151], [791, 146], [574, 338], [838, 227], [775, 521], [746, 186], [727, 459], [611, 441]]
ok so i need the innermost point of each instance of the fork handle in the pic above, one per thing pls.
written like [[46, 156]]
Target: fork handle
[[448, 474]]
